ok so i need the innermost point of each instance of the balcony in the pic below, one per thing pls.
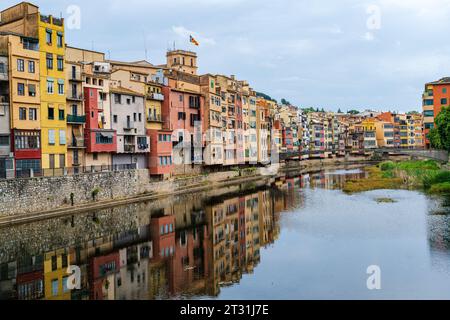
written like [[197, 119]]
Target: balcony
[[4, 99], [75, 76], [101, 140], [77, 143], [154, 118], [155, 96], [129, 148], [75, 96], [128, 126], [4, 75], [73, 119]]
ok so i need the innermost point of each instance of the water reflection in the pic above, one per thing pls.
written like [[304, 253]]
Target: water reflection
[[186, 247]]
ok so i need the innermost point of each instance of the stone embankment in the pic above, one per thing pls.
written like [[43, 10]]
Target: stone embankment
[[25, 200]]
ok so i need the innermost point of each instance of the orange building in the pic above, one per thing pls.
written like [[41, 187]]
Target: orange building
[[435, 97]]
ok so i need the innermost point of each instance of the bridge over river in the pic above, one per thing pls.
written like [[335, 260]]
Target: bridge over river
[[438, 155]]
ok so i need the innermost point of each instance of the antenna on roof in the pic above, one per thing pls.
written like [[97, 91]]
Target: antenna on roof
[[145, 44]]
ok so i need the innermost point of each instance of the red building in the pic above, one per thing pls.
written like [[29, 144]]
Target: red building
[[162, 231], [26, 146], [160, 157], [100, 269], [182, 110], [288, 139], [98, 139]]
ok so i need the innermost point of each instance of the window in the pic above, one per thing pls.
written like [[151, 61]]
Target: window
[[429, 125], [117, 98], [140, 117], [60, 63], [49, 61], [194, 102], [429, 102], [2, 67], [115, 118], [4, 140], [48, 36], [26, 140], [181, 98], [444, 90], [59, 39], [51, 136], [95, 156], [21, 89], [61, 115], [55, 285], [128, 101], [51, 113], [444, 101], [32, 115], [50, 86], [62, 164], [61, 88], [32, 90], [428, 113], [22, 113], [134, 117], [104, 138], [20, 65], [31, 67], [65, 288], [181, 115]]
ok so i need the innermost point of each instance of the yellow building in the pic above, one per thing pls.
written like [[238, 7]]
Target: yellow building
[[55, 275], [53, 92], [26, 20], [24, 99]]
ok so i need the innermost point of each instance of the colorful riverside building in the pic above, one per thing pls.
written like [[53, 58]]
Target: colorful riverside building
[[435, 97], [148, 80], [263, 130], [160, 157], [20, 94], [95, 139], [6, 158], [183, 110], [25, 19]]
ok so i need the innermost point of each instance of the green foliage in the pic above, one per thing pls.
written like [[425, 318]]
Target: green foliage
[[285, 102], [265, 96], [308, 110], [386, 166], [440, 135], [95, 192], [441, 188]]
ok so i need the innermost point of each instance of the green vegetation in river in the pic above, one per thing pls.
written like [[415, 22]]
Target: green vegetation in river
[[427, 175]]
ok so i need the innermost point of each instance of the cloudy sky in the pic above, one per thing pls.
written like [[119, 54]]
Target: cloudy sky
[[325, 53]]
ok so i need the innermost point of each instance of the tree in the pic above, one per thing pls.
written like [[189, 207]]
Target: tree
[[353, 112], [339, 111], [285, 102], [440, 135]]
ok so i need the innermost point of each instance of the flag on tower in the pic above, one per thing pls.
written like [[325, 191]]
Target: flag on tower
[[195, 42]]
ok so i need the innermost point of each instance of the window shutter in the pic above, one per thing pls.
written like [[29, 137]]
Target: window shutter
[[62, 137], [51, 136]]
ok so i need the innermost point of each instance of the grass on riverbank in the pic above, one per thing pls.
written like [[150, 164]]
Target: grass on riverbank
[[427, 175], [376, 180]]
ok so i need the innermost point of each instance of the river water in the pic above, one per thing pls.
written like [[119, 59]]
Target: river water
[[300, 237]]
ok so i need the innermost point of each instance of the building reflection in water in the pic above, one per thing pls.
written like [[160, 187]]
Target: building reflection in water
[[182, 249]]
